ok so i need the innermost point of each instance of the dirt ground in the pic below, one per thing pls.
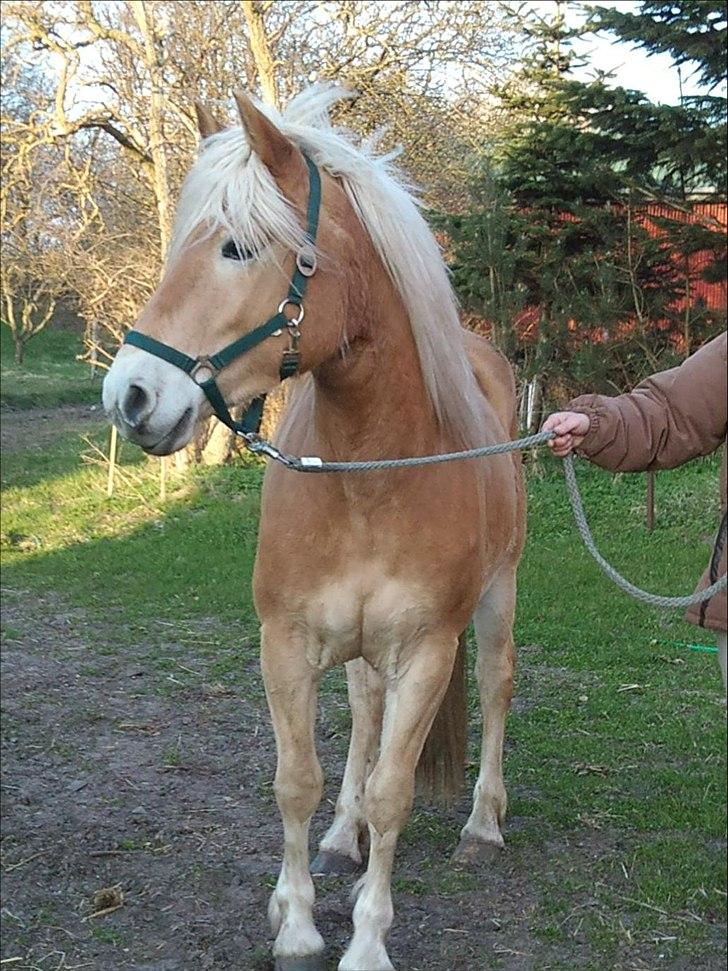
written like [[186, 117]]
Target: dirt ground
[[46, 424], [95, 796], [106, 784]]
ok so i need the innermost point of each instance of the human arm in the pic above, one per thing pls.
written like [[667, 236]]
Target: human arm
[[668, 419]]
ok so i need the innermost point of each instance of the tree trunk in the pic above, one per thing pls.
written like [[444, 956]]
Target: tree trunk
[[220, 444], [260, 51], [19, 349], [213, 443], [144, 16], [275, 405]]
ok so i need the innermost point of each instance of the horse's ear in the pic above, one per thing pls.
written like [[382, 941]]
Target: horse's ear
[[268, 142], [206, 121]]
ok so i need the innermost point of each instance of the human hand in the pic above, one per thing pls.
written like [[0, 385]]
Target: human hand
[[570, 428]]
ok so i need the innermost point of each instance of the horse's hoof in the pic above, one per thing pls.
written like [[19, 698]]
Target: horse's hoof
[[471, 851], [311, 962], [333, 864]]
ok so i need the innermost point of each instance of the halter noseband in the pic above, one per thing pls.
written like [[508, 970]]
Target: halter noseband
[[204, 369]]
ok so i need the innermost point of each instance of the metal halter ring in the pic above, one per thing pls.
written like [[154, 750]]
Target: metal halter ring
[[203, 370], [292, 321]]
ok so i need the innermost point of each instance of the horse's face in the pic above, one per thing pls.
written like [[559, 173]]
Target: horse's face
[[213, 292]]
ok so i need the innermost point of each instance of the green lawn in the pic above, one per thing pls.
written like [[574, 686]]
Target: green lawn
[[618, 734], [50, 374]]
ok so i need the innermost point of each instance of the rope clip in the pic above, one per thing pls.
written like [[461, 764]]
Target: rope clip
[[259, 446]]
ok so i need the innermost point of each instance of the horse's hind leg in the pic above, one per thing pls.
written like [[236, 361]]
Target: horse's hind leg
[[291, 685], [339, 851], [481, 837]]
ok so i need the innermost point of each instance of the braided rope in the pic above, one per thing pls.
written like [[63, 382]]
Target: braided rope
[[308, 463], [314, 464], [654, 599]]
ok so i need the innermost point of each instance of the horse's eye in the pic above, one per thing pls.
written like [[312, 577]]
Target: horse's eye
[[236, 251]]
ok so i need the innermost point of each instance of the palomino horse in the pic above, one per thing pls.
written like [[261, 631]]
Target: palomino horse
[[381, 571]]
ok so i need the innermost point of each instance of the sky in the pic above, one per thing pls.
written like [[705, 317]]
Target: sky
[[656, 76]]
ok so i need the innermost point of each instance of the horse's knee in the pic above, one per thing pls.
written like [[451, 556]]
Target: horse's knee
[[298, 788]]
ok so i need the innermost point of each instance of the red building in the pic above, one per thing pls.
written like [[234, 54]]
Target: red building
[[712, 295]]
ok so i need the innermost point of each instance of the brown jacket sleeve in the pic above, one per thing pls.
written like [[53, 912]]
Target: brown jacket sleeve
[[669, 418]]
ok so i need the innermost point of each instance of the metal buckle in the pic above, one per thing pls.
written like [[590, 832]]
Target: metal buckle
[[203, 364], [259, 446], [306, 261]]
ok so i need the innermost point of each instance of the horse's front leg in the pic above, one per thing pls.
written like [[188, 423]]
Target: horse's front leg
[[339, 851], [291, 686], [413, 695]]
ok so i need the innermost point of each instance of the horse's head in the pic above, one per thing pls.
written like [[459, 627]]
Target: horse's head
[[241, 227]]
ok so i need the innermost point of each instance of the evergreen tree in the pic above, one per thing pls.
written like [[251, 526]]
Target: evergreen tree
[[686, 156], [693, 32], [688, 140], [573, 165], [486, 257]]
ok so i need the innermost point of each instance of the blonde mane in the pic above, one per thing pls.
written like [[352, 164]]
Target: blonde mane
[[230, 188]]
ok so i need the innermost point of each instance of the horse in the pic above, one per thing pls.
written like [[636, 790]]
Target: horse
[[381, 572]]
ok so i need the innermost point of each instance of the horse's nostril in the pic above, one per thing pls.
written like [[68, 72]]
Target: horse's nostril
[[136, 406]]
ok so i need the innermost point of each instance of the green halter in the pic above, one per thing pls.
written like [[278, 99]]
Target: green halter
[[199, 368]]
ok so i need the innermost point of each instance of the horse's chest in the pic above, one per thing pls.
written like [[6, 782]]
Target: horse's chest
[[361, 614]]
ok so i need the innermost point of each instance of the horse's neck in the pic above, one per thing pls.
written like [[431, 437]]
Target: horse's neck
[[372, 401]]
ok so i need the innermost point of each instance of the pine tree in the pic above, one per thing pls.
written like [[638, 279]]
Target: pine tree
[[688, 140], [693, 32], [573, 165], [588, 264], [687, 158]]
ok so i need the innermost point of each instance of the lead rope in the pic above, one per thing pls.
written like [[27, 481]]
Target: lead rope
[[308, 463]]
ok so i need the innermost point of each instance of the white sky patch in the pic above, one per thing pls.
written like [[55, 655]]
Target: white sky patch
[[656, 75]]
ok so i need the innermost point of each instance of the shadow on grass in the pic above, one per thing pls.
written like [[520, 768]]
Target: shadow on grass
[[86, 392], [50, 462], [194, 558]]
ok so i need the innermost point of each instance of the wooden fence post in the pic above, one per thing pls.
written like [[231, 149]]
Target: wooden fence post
[[112, 462], [94, 357], [163, 478], [650, 501]]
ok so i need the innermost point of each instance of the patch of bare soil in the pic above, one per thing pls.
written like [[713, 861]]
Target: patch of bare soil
[[157, 813], [32, 428], [169, 799]]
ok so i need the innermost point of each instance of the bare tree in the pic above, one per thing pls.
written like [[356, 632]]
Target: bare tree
[[29, 302], [420, 69], [39, 185], [119, 81], [260, 48]]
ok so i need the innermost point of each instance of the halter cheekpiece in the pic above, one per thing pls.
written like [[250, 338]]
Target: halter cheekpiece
[[204, 369]]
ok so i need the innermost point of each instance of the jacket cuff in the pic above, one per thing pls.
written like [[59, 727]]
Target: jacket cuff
[[586, 405]]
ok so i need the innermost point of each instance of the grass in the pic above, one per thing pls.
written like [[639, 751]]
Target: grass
[[615, 761], [50, 374]]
